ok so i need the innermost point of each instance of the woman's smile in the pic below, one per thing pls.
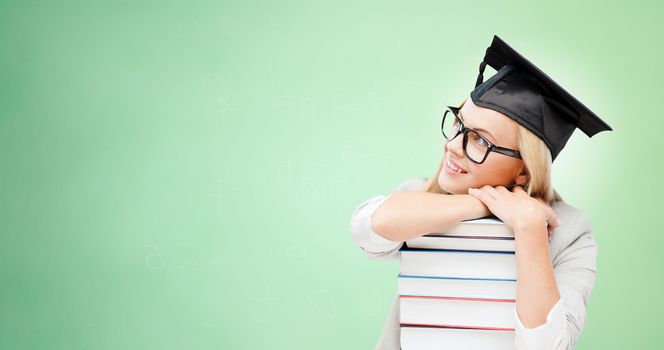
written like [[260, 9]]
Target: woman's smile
[[451, 168]]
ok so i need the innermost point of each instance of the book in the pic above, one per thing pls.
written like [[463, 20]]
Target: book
[[436, 338], [485, 234], [474, 313], [456, 287], [486, 226], [487, 243], [458, 263]]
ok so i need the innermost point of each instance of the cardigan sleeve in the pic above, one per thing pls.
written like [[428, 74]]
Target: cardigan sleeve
[[371, 243], [574, 271]]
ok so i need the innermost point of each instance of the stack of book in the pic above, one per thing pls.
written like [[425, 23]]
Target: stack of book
[[457, 289]]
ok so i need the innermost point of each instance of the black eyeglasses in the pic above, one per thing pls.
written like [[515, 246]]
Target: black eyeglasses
[[475, 146]]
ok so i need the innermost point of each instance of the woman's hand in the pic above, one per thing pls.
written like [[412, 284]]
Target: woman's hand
[[516, 209]]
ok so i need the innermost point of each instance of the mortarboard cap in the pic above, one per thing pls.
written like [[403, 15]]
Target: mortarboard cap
[[524, 93]]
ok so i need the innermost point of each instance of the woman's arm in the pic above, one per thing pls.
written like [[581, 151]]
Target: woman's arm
[[407, 215], [537, 291], [574, 272], [376, 246]]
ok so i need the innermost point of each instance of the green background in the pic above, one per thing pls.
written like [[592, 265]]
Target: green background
[[181, 175]]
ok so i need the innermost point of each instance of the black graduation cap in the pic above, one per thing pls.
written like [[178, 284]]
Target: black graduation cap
[[524, 93]]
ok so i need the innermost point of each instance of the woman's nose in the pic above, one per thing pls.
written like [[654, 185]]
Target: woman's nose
[[456, 145]]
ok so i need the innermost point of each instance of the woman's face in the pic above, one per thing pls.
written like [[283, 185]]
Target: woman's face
[[497, 169]]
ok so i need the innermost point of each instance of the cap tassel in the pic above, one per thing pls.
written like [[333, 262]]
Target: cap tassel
[[480, 77]]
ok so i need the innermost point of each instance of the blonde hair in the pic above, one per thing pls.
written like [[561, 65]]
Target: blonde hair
[[537, 159]]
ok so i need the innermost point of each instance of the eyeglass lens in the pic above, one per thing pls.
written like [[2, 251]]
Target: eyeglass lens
[[476, 147]]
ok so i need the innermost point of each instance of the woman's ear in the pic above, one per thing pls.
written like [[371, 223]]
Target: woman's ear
[[522, 178]]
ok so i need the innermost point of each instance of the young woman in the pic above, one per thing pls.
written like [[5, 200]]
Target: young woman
[[495, 163]]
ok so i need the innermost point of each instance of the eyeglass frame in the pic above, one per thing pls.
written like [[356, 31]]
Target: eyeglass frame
[[463, 129]]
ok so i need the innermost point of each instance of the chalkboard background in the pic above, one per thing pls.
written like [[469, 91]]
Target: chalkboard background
[[181, 174]]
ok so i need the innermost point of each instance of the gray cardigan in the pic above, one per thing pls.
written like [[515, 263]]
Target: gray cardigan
[[573, 251]]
